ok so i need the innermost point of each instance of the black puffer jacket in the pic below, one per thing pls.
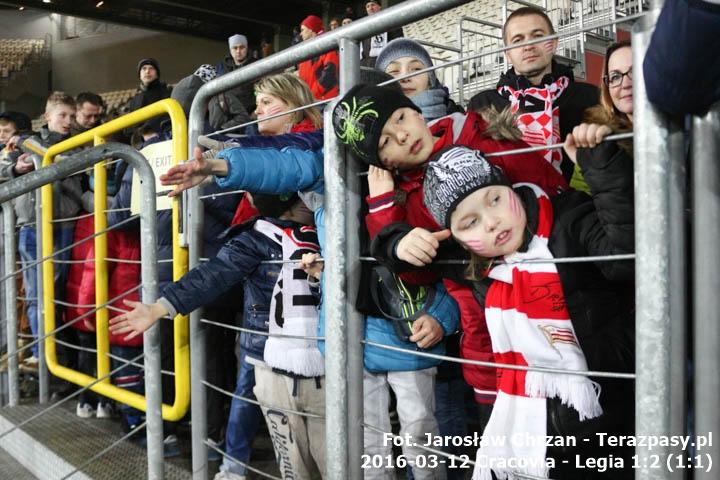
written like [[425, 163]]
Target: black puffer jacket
[[245, 93], [573, 102]]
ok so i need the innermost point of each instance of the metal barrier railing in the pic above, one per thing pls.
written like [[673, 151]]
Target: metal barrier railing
[[97, 135], [654, 342], [151, 403]]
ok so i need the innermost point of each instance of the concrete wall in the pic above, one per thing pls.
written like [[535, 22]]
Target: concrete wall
[[108, 62], [101, 62]]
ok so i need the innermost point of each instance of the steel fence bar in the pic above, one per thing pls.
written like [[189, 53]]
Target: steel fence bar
[[10, 306], [507, 366], [259, 332], [706, 285], [349, 77], [4, 301], [43, 376], [102, 452], [245, 465], [64, 400], [655, 147], [255, 402], [335, 298]]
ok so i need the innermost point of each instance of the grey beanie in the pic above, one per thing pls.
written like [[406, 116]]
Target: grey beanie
[[403, 47], [237, 39], [454, 173]]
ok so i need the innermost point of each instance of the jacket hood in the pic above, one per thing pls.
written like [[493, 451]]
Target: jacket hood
[[617, 124], [512, 79], [500, 125]]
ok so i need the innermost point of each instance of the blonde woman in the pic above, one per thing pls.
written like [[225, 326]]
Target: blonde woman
[[282, 92]]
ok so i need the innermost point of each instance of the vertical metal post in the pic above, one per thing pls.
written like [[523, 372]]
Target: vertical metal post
[[461, 79], [151, 338], [43, 376], [349, 76], [11, 305], [198, 360], [335, 297], [3, 301], [706, 229], [655, 146]]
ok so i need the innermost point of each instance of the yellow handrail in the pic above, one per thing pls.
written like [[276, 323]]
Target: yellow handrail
[[180, 264]]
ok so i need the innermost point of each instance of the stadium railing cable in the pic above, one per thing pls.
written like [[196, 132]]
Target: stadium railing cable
[[69, 323], [258, 332], [35, 263], [504, 366], [69, 397], [447, 64], [255, 402]]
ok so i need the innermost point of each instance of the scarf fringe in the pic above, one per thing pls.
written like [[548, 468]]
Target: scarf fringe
[[287, 355], [574, 391]]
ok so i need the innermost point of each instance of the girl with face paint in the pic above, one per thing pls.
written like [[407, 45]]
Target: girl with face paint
[[570, 316]]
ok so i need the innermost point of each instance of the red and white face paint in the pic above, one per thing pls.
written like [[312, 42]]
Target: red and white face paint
[[490, 222], [267, 106]]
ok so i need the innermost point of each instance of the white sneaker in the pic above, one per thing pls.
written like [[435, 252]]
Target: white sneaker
[[84, 410], [225, 475], [104, 410]]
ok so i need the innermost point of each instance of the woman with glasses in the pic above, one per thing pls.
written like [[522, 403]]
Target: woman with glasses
[[614, 115]]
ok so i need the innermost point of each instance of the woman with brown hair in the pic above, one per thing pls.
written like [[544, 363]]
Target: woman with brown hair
[[613, 115]]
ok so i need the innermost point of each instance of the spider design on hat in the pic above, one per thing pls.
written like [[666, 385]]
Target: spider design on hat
[[351, 130]]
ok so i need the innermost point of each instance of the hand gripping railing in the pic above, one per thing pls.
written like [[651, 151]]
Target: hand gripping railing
[[70, 166], [338, 278]]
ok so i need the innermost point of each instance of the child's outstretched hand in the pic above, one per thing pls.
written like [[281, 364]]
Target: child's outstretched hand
[[139, 319], [419, 246], [427, 332], [380, 181], [312, 266]]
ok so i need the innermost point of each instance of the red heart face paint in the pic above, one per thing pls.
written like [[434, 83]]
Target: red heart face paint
[[515, 207], [476, 246]]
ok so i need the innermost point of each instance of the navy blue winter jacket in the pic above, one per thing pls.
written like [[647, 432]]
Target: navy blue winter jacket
[[237, 262], [682, 73]]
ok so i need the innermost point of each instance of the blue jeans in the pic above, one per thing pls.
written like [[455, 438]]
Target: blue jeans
[[131, 378], [27, 246], [451, 416], [243, 421]]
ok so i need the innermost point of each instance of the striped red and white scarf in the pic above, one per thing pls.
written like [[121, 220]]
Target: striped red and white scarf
[[529, 325]]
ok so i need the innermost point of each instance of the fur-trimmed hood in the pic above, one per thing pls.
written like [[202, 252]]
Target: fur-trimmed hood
[[617, 124], [501, 125]]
